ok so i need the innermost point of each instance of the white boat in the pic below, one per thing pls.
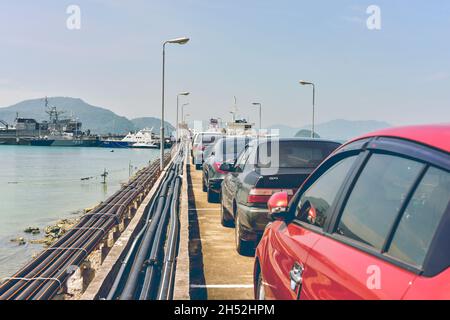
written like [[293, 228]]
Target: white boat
[[142, 139]]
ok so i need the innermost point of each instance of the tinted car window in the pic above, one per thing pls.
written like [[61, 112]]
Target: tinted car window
[[314, 205], [294, 154], [377, 197], [231, 146], [242, 159], [209, 138], [421, 218], [206, 138]]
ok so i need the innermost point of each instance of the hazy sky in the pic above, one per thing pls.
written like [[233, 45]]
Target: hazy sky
[[255, 50]]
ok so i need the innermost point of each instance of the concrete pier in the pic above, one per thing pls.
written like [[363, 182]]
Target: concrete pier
[[217, 271]]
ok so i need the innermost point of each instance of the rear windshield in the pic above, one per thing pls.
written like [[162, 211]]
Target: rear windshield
[[231, 146], [294, 154], [205, 138]]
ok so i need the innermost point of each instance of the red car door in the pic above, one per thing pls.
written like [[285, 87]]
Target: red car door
[[287, 254], [353, 262], [337, 271], [287, 246]]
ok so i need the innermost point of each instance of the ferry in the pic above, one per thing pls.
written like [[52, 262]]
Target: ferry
[[143, 139]]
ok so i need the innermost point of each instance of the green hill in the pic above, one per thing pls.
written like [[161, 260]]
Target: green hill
[[305, 133], [151, 122], [97, 119]]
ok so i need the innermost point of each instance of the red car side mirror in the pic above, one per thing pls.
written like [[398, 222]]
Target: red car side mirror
[[278, 206]]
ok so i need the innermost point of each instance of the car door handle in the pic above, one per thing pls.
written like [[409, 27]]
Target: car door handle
[[296, 276]]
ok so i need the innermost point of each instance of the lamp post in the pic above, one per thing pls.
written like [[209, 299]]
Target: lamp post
[[178, 102], [162, 140], [307, 83], [260, 107]]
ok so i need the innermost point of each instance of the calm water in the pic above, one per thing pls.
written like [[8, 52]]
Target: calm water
[[40, 185]]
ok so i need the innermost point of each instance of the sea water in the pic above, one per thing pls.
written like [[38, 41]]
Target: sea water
[[40, 185]]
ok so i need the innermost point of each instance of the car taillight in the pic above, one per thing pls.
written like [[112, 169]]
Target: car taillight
[[262, 195], [217, 167]]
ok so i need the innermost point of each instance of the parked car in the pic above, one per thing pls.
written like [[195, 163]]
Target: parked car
[[225, 150], [263, 168], [201, 141], [372, 222]]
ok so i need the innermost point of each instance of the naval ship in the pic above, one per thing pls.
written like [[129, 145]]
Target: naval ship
[[57, 131]]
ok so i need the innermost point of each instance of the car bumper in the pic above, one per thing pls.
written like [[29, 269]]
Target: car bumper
[[253, 222]]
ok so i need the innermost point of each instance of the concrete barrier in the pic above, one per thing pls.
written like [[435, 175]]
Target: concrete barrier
[[182, 280]]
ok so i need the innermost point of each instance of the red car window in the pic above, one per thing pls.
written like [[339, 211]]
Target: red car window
[[313, 207], [377, 198], [421, 218]]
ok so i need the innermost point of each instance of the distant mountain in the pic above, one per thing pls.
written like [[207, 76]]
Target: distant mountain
[[151, 122], [285, 131], [305, 133], [98, 120], [341, 130], [347, 129]]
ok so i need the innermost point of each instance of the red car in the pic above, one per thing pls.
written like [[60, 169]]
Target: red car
[[371, 222]]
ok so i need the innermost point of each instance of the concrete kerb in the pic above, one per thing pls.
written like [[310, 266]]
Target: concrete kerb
[[182, 280]]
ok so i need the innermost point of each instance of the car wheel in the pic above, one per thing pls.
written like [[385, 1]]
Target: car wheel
[[242, 247], [260, 289], [223, 212]]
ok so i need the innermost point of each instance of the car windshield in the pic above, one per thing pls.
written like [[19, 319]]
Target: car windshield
[[294, 154], [206, 138], [230, 146], [209, 138]]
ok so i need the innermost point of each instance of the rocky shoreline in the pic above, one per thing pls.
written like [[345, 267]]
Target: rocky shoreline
[[51, 233]]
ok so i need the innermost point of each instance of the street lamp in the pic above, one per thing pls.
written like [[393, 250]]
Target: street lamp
[[162, 140], [258, 104], [178, 102], [307, 83], [185, 117]]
